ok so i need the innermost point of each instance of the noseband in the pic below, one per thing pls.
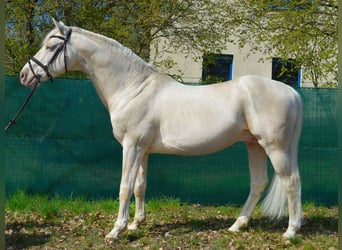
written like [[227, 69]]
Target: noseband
[[60, 49]]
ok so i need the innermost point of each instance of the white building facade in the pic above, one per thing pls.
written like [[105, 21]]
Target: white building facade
[[233, 63]]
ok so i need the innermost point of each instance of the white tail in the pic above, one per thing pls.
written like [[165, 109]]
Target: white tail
[[274, 204]]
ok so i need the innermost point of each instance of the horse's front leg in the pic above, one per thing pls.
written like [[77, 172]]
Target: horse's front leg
[[132, 160], [139, 193]]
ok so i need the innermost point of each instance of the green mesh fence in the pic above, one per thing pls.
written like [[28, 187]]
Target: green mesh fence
[[63, 143]]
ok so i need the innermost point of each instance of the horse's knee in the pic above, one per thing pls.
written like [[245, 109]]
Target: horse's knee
[[125, 193], [139, 189], [295, 179], [140, 183], [292, 183]]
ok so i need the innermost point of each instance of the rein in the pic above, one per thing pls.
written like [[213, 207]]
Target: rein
[[13, 121], [45, 67]]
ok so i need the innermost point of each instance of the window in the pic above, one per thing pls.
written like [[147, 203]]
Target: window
[[289, 5], [286, 71], [217, 67]]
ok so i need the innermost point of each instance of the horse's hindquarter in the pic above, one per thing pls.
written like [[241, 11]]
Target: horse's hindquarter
[[272, 109], [198, 119]]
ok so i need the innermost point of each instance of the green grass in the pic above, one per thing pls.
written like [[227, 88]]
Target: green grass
[[45, 222]]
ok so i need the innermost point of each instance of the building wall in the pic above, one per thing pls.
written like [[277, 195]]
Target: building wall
[[244, 63]]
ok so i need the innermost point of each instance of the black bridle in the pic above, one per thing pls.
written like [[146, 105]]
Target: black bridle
[[59, 50]]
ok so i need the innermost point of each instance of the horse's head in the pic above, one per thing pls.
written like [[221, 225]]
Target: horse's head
[[52, 59]]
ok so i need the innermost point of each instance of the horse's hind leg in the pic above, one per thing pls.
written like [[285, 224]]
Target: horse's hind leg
[[139, 193], [258, 182], [285, 166]]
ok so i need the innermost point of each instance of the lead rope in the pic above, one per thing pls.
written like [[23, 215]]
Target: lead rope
[[13, 121], [46, 69]]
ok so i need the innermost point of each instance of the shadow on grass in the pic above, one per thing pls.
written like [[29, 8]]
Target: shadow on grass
[[21, 235], [311, 226]]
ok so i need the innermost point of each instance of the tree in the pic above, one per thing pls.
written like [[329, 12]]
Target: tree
[[190, 26], [305, 31], [27, 22], [22, 18]]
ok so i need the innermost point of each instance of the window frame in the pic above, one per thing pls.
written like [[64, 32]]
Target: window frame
[[289, 69], [213, 63]]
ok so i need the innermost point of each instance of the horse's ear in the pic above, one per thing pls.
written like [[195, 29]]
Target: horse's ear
[[61, 27]]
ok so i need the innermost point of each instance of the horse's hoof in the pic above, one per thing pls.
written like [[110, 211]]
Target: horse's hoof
[[132, 227], [289, 235], [108, 240], [111, 237], [233, 229], [241, 222]]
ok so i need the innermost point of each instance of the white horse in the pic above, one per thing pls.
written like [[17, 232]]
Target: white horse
[[152, 113]]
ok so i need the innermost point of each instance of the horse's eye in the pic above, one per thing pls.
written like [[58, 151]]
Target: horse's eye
[[50, 47]]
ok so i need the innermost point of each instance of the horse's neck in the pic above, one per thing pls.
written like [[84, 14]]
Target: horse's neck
[[111, 67]]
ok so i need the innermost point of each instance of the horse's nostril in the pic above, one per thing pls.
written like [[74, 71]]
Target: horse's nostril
[[22, 76]]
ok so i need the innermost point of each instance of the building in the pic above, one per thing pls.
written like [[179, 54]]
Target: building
[[233, 63]]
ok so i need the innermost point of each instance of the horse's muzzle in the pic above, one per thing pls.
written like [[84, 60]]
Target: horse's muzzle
[[27, 78]]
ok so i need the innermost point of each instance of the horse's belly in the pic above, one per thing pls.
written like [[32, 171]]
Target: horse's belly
[[204, 141], [195, 121]]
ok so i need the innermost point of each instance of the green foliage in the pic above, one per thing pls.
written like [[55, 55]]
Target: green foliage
[[302, 30], [189, 26], [19, 201], [209, 60], [211, 79]]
